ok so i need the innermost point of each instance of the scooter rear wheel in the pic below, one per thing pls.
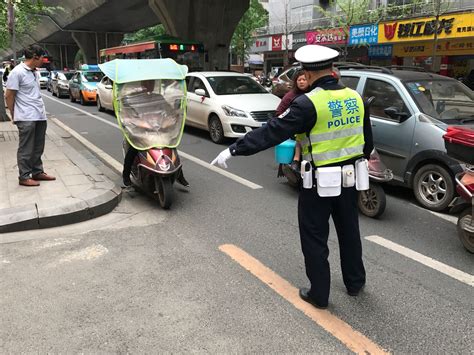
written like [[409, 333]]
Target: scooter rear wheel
[[164, 191], [372, 202], [466, 237]]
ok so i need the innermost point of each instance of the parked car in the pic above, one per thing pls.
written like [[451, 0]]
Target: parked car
[[51, 74], [227, 104], [283, 82], [43, 78], [409, 116], [83, 85], [105, 95], [60, 83]]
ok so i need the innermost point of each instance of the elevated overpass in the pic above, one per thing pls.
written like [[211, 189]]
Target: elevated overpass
[[94, 24]]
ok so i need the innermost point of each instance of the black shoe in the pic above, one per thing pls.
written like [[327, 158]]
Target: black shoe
[[126, 181], [304, 295], [353, 292], [180, 179]]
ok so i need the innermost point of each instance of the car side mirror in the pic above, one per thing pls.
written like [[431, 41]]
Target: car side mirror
[[200, 92], [108, 87], [75, 80], [396, 114]]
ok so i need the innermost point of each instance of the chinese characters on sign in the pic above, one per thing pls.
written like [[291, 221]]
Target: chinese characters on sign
[[331, 36], [424, 28], [364, 34], [336, 108], [384, 51]]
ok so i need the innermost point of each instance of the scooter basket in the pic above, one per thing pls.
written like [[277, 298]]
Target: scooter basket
[[459, 143]]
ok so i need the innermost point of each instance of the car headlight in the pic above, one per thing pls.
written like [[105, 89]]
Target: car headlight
[[230, 111]]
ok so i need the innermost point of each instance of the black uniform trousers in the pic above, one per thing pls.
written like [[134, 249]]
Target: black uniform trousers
[[313, 218]]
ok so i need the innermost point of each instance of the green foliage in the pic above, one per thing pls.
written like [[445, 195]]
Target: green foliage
[[25, 19], [255, 17], [145, 34]]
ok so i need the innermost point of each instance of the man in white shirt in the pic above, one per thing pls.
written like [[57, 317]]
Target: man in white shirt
[[23, 97]]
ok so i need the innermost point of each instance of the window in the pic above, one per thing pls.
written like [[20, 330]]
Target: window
[[235, 85], [386, 95], [197, 84], [350, 81]]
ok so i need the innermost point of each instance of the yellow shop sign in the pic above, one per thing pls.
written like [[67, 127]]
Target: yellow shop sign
[[425, 49], [419, 29]]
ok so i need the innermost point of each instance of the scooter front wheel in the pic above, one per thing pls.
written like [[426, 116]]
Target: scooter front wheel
[[465, 229], [164, 191], [372, 202]]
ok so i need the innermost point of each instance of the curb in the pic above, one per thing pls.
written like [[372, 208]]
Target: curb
[[101, 199]]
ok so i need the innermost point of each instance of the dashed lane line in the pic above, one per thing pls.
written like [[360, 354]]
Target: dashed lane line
[[198, 161], [459, 275], [351, 338]]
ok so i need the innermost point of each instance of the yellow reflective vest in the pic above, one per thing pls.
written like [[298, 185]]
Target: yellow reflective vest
[[338, 134]]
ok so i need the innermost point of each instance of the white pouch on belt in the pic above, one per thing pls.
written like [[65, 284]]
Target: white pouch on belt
[[348, 176], [329, 181], [362, 174]]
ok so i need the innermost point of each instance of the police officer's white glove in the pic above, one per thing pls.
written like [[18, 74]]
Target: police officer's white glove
[[222, 158]]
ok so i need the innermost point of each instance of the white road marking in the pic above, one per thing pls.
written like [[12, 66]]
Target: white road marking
[[425, 260], [116, 164], [449, 218]]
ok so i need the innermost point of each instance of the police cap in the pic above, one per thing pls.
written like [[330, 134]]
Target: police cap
[[316, 57]]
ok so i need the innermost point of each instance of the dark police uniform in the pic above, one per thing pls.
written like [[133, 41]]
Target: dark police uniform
[[313, 210]]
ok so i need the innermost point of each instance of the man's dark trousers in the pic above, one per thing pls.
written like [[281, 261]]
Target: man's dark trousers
[[313, 218], [32, 135]]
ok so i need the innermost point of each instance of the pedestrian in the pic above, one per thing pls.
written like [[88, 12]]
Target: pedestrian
[[23, 97], [299, 87], [7, 71], [333, 126]]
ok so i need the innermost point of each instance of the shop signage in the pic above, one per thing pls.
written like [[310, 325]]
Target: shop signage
[[279, 42], [383, 51], [363, 34], [260, 45], [445, 47], [449, 26], [329, 36]]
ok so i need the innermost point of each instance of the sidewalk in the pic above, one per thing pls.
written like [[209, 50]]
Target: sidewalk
[[81, 191]]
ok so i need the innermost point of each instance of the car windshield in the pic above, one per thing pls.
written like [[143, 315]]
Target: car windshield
[[44, 74], [235, 85], [92, 77], [65, 76], [444, 99]]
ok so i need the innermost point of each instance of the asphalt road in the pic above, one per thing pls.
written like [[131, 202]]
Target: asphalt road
[[143, 279]]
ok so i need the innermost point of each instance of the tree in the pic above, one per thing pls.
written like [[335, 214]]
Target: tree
[[24, 19], [144, 34], [255, 17]]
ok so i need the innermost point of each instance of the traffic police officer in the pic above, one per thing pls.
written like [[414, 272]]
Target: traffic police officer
[[334, 129]]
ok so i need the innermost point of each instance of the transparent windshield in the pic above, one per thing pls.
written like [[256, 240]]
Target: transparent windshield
[[152, 112], [444, 99], [235, 85], [92, 77], [44, 74]]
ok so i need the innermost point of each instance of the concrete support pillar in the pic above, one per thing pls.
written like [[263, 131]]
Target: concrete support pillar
[[91, 42], [211, 22], [62, 55]]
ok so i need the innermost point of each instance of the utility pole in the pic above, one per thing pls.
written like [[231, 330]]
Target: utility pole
[[11, 26], [436, 28], [285, 58]]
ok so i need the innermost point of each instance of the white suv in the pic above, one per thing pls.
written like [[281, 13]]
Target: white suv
[[227, 104]]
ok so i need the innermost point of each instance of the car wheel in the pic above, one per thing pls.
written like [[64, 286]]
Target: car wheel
[[433, 187], [71, 97], [81, 99], [99, 105], [215, 129], [53, 93]]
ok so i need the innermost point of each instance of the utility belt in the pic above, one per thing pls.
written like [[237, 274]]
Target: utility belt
[[330, 180]]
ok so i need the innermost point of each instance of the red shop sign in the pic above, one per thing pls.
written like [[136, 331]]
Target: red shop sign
[[330, 36], [276, 43]]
